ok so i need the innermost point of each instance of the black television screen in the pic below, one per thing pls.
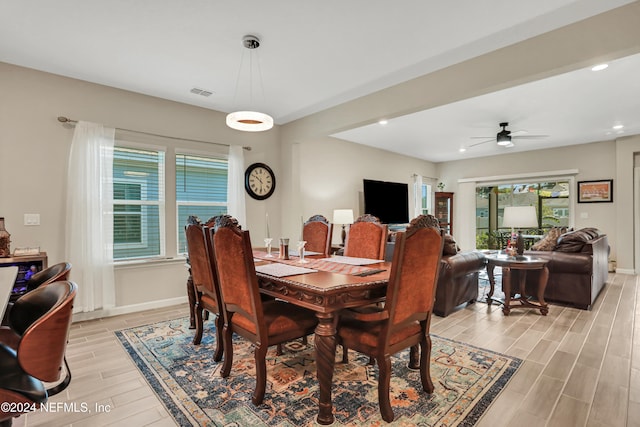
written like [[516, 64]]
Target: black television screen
[[389, 201]]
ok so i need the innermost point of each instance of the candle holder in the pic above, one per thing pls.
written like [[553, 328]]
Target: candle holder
[[301, 245], [267, 243]]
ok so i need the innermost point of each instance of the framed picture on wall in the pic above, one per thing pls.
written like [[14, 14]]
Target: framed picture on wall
[[595, 191]]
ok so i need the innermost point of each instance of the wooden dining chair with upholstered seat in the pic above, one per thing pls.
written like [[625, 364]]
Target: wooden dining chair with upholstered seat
[[264, 323], [205, 281], [317, 232], [366, 238], [404, 320]]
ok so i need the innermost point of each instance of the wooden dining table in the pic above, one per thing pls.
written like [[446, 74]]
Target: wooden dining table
[[326, 293]]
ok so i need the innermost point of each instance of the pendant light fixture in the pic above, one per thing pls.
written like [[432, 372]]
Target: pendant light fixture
[[250, 121]]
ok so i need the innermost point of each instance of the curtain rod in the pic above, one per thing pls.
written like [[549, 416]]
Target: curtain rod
[[64, 120]]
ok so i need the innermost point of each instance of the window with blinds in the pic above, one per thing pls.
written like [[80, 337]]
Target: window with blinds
[[201, 190], [138, 203]]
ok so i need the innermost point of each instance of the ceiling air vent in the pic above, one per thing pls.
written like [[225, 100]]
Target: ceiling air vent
[[202, 92]]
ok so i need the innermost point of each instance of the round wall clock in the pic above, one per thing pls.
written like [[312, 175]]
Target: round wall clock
[[259, 181]]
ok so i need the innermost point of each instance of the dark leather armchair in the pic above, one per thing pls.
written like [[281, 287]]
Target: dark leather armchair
[[32, 349], [366, 238], [264, 323], [404, 320], [317, 232], [205, 281]]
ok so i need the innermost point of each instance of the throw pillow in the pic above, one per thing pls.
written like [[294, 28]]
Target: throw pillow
[[450, 246], [574, 241], [548, 242]]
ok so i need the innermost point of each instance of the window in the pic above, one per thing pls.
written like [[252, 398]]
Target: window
[[201, 190], [138, 203], [426, 199], [551, 199]]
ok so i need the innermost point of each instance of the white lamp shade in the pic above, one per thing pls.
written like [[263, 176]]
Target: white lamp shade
[[343, 216], [249, 121], [520, 216]]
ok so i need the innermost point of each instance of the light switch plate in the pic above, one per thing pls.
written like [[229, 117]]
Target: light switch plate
[[584, 215], [31, 219]]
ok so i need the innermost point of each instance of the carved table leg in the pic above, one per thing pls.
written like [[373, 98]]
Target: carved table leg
[[506, 288], [492, 282], [325, 343], [542, 285], [191, 295]]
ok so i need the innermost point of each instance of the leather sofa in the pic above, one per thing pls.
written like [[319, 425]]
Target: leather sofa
[[457, 281], [578, 268], [458, 277]]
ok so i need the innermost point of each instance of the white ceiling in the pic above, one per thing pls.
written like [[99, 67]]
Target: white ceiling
[[318, 54]]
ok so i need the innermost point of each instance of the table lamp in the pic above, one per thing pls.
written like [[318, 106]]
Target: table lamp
[[343, 217], [519, 217]]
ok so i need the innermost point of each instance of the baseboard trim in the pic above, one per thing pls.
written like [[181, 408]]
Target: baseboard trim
[[126, 309], [625, 271]]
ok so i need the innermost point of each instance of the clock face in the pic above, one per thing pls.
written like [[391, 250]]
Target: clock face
[[259, 181]]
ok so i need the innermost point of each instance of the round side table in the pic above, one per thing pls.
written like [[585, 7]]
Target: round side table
[[522, 264]]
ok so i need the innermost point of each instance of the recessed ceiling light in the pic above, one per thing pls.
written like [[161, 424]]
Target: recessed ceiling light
[[462, 149], [616, 127], [599, 67], [383, 121]]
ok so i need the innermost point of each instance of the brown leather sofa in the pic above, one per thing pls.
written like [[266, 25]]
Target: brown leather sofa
[[578, 268], [458, 278]]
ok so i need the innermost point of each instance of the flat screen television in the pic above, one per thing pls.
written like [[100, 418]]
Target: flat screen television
[[389, 201]]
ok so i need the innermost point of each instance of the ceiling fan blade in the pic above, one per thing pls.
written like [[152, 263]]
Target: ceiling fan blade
[[529, 136], [483, 142], [481, 137]]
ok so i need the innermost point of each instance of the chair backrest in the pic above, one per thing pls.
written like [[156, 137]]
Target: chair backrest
[[51, 274], [414, 272], [317, 232], [199, 252], [237, 274], [43, 318], [366, 238]]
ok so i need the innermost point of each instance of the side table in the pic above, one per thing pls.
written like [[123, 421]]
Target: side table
[[522, 264]]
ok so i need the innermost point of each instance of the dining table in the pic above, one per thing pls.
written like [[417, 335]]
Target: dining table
[[325, 286]]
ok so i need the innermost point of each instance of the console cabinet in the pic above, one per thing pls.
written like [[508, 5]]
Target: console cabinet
[[24, 264], [444, 210]]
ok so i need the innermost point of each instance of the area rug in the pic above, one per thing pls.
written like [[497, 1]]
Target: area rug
[[187, 380]]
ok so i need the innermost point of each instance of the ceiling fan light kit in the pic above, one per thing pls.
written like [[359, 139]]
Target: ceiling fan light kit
[[249, 121]]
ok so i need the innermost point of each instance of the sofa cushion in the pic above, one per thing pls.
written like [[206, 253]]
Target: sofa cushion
[[450, 246], [548, 242]]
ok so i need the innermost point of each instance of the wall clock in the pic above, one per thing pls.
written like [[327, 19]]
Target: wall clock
[[259, 181]]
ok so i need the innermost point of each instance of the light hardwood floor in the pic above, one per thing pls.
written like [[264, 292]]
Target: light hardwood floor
[[581, 368]]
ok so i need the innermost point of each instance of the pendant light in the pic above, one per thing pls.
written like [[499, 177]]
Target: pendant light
[[250, 121]]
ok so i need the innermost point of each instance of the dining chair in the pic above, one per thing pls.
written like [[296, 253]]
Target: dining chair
[[404, 320], [40, 320], [205, 281], [366, 238], [317, 232], [264, 323]]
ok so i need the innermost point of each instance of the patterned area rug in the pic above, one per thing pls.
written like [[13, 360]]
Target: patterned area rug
[[187, 380]]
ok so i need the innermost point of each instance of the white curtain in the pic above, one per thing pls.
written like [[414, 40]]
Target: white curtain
[[417, 195], [235, 185], [89, 226]]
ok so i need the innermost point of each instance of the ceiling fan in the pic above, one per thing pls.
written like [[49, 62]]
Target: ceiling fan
[[504, 137]]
